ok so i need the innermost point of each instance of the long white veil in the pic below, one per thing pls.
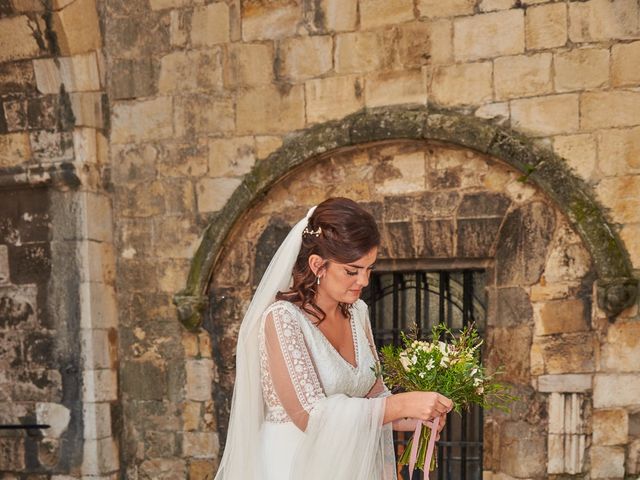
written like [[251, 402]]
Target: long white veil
[[240, 458]]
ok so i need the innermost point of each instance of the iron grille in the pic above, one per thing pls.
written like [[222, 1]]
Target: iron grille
[[397, 301]]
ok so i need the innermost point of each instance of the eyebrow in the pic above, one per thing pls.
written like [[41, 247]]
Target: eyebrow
[[358, 266]]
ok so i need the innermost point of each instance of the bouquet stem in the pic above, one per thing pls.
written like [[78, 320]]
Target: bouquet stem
[[425, 436]]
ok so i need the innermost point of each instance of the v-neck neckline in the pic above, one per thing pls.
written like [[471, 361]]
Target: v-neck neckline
[[354, 340]]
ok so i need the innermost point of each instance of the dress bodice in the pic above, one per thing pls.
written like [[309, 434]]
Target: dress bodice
[[314, 365]]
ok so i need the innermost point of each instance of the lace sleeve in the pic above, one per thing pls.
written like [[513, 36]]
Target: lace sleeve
[[291, 369]]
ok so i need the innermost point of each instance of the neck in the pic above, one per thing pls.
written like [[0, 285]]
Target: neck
[[329, 306]]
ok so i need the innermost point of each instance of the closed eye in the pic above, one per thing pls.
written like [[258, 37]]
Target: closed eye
[[351, 273]]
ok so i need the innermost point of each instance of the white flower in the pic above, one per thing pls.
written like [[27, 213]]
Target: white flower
[[414, 360], [444, 362], [404, 360], [480, 390], [421, 374], [443, 347], [477, 381], [474, 371], [430, 364]]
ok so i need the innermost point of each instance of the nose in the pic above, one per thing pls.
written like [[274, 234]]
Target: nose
[[363, 277]]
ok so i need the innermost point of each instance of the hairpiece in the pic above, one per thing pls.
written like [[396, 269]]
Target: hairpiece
[[315, 233]]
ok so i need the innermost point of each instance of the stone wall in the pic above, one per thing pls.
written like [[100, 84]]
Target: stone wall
[[161, 107]]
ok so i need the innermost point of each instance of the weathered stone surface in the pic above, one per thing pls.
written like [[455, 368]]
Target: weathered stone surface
[[162, 4], [199, 379], [488, 35], [213, 193], [565, 383], [77, 27], [362, 52], [200, 444], [476, 237], [14, 149], [620, 195], [333, 97], [302, 58], [570, 353], [210, 25], [598, 20], [453, 8], [376, 13], [522, 245], [163, 469], [17, 77], [271, 20], [231, 157], [623, 57], [434, 238], [248, 64], [201, 469], [523, 450], [268, 110], [620, 351], [402, 173], [513, 307], [619, 151], [492, 5], [144, 380], [203, 114], [474, 205], [191, 71], [546, 26], [580, 152], [143, 120], [17, 39], [393, 88], [581, 69], [610, 427], [522, 76], [550, 115], [561, 316], [607, 462], [340, 15], [462, 84], [510, 348], [12, 454], [96, 418], [132, 78], [596, 108]]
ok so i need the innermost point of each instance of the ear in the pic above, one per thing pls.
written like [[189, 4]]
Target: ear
[[317, 264]]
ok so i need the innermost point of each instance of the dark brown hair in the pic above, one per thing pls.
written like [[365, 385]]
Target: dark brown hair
[[348, 233]]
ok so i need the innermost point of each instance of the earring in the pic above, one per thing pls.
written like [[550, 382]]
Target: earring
[[317, 280]]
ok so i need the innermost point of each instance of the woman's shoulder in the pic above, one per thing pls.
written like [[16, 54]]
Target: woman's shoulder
[[280, 307]]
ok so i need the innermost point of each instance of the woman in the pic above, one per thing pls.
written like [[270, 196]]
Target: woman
[[306, 403]]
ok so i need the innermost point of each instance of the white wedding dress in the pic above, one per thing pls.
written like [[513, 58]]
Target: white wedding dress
[[322, 415]]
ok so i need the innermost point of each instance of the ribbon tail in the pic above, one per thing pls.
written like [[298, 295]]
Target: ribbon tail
[[414, 448], [432, 443]]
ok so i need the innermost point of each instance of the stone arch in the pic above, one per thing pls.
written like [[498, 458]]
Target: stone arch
[[617, 289]]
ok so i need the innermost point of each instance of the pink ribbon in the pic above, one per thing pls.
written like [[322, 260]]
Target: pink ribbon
[[416, 441]]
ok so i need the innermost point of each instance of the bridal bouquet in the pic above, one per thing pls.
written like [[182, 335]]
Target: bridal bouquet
[[450, 365]]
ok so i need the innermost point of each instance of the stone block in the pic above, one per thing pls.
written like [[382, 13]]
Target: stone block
[[201, 469], [363, 51], [191, 416], [77, 27], [270, 110], [163, 4], [619, 151], [488, 35], [620, 195], [560, 316], [477, 237], [17, 77], [51, 146], [200, 444], [566, 454], [87, 109], [213, 193], [248, 64], [179, 28], [568, 383], [55, 415], [376, 13], [96, 419], [450, 8], [610, 427], [404, 173], [333, 97], [492, 5], [210, 25], [265, 145], [101, 386], [607, 462], [510, 348], [196, 114], [12, 454], [580, 153], [625, 58], [136, 121], [302, 58], [270, 20], [133, 78], [630, 235], [340, 15], [580, 69], [415, 44], [513, 307], [462, 84], [546, 26], [523, 450], [550, 115], [396, 88], [163, 469], [100, 456], [570, 353], [522, 76], [566, 414], [199, 379], [620, 351], [612, 390], [191, 71], [232, 157], [15, 149], [601, 20], [144, 380], [17, 39], [98, 348], [434, 238]]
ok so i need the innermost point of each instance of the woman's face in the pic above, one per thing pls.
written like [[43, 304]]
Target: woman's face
[[343, 282]]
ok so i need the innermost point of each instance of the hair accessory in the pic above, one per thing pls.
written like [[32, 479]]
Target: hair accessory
[[315, 233]]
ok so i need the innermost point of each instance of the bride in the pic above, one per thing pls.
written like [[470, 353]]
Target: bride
[[306, 402]]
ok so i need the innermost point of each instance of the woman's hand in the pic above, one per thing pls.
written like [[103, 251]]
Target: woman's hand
[[419, 405]]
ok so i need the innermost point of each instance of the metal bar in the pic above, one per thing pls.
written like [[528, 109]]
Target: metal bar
[[24, 427], [396, 309], [419, 326]]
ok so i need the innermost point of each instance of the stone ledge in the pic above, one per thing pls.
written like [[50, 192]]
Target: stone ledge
[[570, 383]]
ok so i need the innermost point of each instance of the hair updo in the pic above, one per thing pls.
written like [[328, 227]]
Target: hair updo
[[339, 230]]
